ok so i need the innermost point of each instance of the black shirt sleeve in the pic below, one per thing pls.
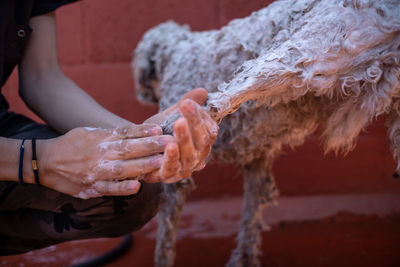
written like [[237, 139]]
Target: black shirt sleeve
[[41, 7]]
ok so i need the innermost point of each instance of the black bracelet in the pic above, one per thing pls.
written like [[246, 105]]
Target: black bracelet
[[34, 162], [21, 163]]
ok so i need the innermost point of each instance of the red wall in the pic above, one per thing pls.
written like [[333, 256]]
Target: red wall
[[96, 39]]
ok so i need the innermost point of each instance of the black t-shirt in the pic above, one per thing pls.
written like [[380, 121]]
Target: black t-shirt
[[15, 31]]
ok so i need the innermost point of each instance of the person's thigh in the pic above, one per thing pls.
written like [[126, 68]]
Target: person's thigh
[[33, 217]]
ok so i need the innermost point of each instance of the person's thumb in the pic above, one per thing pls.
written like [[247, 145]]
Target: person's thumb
[[199, 95]]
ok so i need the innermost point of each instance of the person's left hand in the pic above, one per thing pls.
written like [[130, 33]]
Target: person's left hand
[[195, 132]]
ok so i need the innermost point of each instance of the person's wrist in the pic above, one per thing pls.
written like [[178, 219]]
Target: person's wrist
[[44, 151], [43, 155], [27, 172]]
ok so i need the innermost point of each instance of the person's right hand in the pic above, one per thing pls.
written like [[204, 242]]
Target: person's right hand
[[93, 162]]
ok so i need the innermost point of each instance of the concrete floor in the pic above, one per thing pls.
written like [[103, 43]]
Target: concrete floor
[[306, 231]]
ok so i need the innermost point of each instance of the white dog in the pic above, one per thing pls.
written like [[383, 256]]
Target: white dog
[[279, 73]]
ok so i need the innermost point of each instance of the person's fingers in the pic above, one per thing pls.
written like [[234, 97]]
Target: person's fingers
[[186, 148], [202, 163], [135, 148], [121, 169], [153, 177], [117, 188], [171, 165], [211, 125], [212, 129], [136, 131], [198, 128], [175, 179], [198, 95]]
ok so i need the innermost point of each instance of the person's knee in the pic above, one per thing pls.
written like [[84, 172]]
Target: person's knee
[[149, 203], [133, 213]]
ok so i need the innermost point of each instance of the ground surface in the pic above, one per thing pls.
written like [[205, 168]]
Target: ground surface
[[333, 211], [335, 231]]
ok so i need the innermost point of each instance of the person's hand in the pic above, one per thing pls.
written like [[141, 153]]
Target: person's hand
[[195, 132], [92, 162]]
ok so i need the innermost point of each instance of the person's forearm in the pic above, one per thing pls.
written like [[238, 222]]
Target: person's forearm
[[48, 92], [62, 104], [9, 160]]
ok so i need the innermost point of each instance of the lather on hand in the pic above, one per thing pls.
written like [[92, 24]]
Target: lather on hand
[[195, 132], [93, 162]]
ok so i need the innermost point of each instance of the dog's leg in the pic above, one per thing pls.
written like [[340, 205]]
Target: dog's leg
[[259, 192], [169, 216], [393, 124]]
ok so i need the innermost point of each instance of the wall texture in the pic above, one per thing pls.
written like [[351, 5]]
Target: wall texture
[[344, 209]]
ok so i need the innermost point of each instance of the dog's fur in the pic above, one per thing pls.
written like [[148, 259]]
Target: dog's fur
[[273, 77]]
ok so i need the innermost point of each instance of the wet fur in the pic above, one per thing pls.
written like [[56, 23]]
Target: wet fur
[[276, 75]]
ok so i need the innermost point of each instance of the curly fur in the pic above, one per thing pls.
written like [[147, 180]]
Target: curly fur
[[276, 75]]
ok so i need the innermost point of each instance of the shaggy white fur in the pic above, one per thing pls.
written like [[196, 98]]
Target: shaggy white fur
[[280, 73]]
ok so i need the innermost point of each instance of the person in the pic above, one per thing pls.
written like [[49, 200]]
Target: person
[[87, 173]]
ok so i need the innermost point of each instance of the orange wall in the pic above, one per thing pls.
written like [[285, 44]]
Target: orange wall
[[96, 39]]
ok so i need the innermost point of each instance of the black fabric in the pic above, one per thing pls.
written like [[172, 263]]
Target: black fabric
[[15, 32], [14, 19], [41, 7]]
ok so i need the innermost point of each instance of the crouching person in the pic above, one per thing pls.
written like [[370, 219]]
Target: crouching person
[[87, 173]]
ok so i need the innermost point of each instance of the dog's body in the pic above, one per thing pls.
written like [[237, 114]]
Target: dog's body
[[279, 73]]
